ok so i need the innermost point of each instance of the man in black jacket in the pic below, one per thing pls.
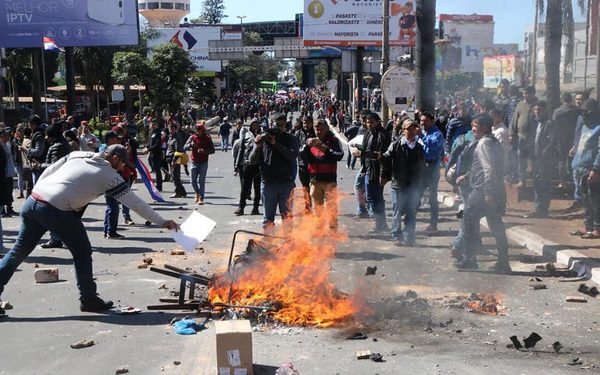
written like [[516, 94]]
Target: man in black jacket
[[565, 122], [375, 143], [156, 153], [403, 163], [38, 148], [276, 152], [303, 134]]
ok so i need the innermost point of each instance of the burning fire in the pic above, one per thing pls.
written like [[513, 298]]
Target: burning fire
[[484, 303], [294, 275]]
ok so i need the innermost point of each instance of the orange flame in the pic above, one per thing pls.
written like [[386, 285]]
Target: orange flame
[[295, 274], [484, 303]]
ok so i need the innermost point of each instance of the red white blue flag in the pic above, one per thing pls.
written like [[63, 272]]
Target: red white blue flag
[[50, 45], [147, 179]]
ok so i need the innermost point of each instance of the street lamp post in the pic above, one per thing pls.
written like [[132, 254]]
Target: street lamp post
[[368, 80], [241, 26]]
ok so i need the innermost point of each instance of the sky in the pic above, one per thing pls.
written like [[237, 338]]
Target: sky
[[512, 17]]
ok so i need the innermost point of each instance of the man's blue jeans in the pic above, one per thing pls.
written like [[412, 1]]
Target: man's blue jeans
[[224, 142], [405, 201], [275, 194], [475, 209], [36, 219], [199, 171], [431, 179], [111, 216], [359, 192], [376, 204]]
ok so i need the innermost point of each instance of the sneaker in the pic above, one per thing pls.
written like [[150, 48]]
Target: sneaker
[[175, 196], [467, 264], [129, 222], [501, 267], [239, 211], [200, 201], [115, 236], [255, 212], [95, 304], [148, 223], [431, 230], [53, 244]]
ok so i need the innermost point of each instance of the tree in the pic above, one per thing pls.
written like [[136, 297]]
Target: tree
[[130, 68], [569, 33], [247, 74], [94, 68], [552, 48], [171, 68], [213, 11], [18, 69]]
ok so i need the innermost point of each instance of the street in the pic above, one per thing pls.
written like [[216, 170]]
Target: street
[[429, 332]]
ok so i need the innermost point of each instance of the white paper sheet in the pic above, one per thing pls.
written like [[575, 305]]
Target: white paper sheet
[[193, 231]]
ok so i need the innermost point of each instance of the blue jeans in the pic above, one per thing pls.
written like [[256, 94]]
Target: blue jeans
[[405, 201], [375, 202], [224, 142], [475, 209], [111, 216], [36, 219], [20, 180], [199, 177], [275, 194], [431, 179], [359, 192]]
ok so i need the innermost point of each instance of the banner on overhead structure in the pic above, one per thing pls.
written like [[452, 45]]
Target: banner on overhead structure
[[357, 23], [194, 41], [471, 35], [71, 23]]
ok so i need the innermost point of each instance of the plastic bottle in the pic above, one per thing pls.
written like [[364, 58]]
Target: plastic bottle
[[286, 369]]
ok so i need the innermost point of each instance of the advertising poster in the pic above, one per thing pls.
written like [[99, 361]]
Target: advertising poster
[[357, 23], [71, 23], [473, 35], [497, 68], [194, 40]]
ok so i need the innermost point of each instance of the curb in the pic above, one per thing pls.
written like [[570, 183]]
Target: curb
[[573, 259]]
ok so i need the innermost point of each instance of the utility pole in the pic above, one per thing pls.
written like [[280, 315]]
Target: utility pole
[[385, 56], [425, 55], [533, 52], [70, 78], [359, 77]]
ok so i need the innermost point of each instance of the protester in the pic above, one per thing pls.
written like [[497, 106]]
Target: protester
[[375, 144], [249, 172], [36, 151], [155, 153], [404, 164], [175, 144], [522, 132], [276, 152], [87, 140], [201, 146], [487, 198], [586, 168], [54, 205], [224, 132], [433, 142], [303, 134], [321, 155]]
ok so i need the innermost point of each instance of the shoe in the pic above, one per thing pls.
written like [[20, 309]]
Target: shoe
[[431, 230], [467, 264], [591, 235], [574, 206], [200, 201], [114, 236], [12, 212], [460, 214], [53, 244], [20, 196], [197, 197], [363, 215], [129, 222], [95, 304], [501, 267], [148, 223], [175, 196], [239, 211], [398, 243], [456, 254], [520, 184], [255, 212]]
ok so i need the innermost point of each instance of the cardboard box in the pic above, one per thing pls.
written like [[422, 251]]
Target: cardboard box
[[234, 347]]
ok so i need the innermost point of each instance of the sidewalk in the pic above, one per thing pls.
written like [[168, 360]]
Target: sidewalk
[[547, 237]]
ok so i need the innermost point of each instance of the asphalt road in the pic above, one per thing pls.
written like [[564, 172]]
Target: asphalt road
[[423, 335]]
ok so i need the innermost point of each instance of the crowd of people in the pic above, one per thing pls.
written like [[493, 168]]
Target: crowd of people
[[477, 145]]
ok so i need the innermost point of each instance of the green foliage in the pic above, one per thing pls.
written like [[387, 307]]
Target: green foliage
[[171, 67], [213, 11], [202, 89], [130, 68]]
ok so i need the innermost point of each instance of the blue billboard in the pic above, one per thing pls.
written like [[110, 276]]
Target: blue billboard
[[71, 23]]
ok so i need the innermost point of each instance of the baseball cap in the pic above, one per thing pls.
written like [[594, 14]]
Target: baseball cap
[[121, 152]]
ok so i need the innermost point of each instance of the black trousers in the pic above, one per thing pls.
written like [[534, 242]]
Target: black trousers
[[250, 177]]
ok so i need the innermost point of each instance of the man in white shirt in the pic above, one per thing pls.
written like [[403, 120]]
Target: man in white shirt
[[54, 205]]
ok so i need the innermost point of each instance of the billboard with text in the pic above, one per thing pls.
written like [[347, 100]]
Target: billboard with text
[[194, 40], [71, 23], [357, 23]]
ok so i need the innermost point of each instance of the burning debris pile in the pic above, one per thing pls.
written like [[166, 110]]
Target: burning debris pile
[[484, 303], [287, 277]]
